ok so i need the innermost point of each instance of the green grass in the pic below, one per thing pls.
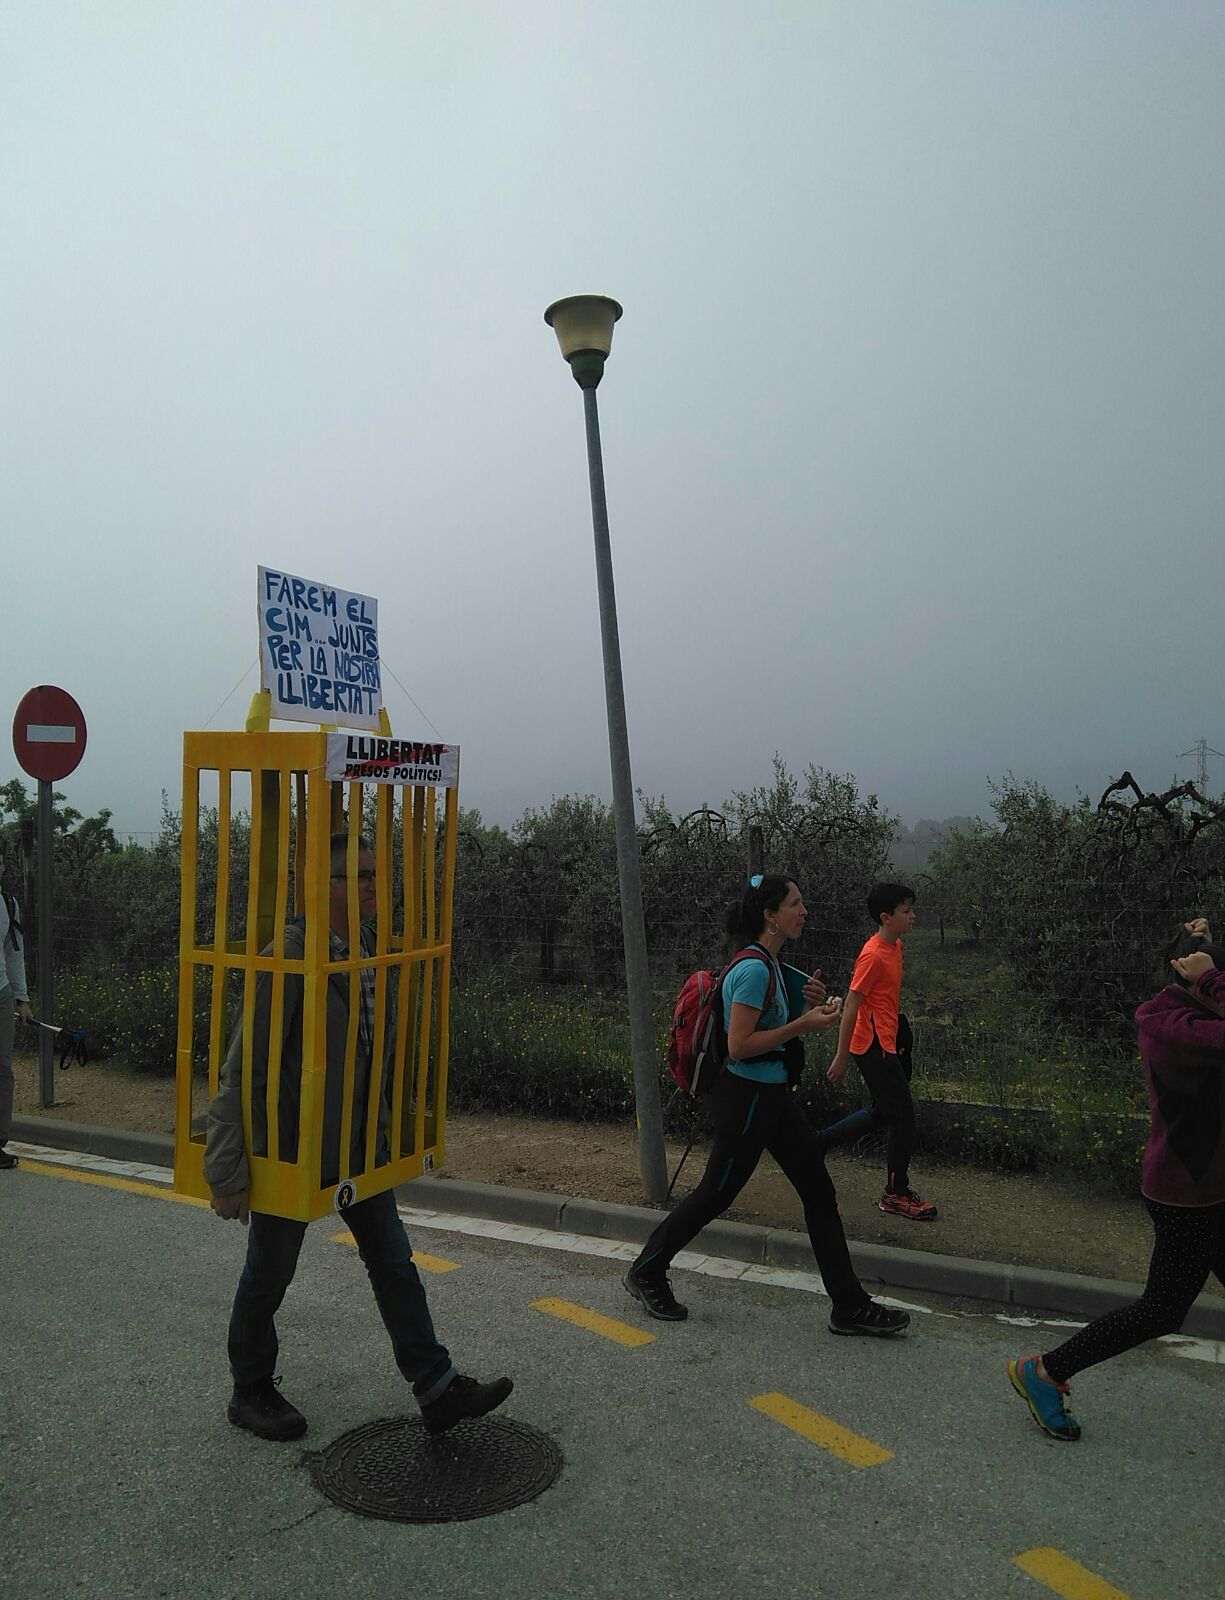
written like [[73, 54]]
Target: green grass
[[980, 1037], [563, 1055]]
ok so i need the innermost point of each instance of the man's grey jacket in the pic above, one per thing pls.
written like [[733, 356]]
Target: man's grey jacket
[[225, 1157]]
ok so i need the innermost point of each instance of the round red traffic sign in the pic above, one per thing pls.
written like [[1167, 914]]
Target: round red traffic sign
[[49, 733]]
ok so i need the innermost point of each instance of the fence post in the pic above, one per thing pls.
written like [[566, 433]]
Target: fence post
[[757, 851]]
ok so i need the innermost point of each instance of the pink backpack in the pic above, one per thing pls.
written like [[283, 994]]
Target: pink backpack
[[697, 1040]]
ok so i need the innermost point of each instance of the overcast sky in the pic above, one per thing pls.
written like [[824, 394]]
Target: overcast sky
[[912, 425]]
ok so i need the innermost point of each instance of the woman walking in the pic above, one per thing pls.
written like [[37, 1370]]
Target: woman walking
[[1182, 1046], [753, 1110]]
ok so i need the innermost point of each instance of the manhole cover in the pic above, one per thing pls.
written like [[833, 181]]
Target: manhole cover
[[396, 1470]]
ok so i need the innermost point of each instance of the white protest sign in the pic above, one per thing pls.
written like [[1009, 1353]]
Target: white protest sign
[[382, 760], [319, 651]]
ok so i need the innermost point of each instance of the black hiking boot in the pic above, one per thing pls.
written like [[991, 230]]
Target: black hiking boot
[[462, 1399], [875, 1320], [262, 1409], [655, 1293]]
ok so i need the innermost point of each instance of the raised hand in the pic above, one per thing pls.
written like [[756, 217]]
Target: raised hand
[[814, 989], [1193, 966]]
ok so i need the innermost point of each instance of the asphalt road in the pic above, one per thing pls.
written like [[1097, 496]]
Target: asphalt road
[[121, 1476]]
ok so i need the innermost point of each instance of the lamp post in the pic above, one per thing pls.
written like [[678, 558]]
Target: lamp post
[[584, 328]]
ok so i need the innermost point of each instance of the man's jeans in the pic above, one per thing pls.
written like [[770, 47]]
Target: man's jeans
[[8, 1007], [273, 1244]]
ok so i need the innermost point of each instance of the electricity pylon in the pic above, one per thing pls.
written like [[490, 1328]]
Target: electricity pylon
[[1201, 749]]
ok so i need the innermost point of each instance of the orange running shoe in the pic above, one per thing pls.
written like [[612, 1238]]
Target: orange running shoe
[[908, 1204]]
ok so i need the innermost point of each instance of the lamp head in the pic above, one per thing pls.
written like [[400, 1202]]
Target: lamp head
[[583, 324]]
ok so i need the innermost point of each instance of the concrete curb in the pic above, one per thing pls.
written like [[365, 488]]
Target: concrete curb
[[1028, 1288], [117, 1144]]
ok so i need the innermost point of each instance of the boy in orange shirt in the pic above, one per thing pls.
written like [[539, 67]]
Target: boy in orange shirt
[[868, 1035]]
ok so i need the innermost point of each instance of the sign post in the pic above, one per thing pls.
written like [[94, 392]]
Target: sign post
[[48, 741]]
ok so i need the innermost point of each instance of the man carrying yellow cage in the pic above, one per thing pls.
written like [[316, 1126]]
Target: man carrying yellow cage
[[273, 1243]]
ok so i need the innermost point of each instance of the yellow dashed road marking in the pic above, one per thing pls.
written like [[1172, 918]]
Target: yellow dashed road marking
[[426, 1263], [830, 1435], [606, 1327], [104, 1180], [1065, 1576]]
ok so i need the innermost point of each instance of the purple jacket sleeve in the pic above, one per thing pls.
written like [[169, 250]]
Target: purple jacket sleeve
[[1190, 1031]]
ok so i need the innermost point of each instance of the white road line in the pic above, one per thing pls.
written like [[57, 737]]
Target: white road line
[[1037, 1322]]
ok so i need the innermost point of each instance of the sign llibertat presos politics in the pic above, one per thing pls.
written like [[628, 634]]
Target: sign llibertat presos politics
[[355, 759], [319, 651]]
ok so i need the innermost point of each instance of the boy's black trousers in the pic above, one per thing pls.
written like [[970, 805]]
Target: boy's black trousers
[[888, 1079]]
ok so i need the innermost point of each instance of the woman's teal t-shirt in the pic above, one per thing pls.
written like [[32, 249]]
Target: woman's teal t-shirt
[[746, 985]]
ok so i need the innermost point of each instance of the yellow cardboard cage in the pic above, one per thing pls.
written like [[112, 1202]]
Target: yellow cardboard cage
[[233, 911]]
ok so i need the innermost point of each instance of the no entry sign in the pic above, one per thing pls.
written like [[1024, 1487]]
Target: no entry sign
[[49, 733]]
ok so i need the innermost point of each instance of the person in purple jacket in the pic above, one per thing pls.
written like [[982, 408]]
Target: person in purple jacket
[[1182, 1047]]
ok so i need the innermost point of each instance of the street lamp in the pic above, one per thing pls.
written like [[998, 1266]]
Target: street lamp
[[584, 328]]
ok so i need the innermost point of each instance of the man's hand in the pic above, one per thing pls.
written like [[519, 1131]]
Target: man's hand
[[229, 1206], [836, 1070], [1198, 928], [814, 989], [1193, 966], [24, 1010]]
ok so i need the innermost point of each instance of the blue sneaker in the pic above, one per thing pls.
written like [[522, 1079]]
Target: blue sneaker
[[1044, 1399]]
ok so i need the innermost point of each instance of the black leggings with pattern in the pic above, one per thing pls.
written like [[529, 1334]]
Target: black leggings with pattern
[[1189, 1245]]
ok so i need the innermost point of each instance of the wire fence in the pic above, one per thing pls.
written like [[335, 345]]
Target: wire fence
[[1107, 954]]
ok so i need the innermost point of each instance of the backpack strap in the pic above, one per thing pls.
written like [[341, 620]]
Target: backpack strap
[[754, 952], [15, 930]]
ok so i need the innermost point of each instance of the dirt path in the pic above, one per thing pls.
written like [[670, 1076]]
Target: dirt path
[[993, 1216]]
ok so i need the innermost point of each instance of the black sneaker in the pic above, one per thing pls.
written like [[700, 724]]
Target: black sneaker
[[461, 1399], [263, 1409], [7, 1161], [655, 1293], [875, 1320]]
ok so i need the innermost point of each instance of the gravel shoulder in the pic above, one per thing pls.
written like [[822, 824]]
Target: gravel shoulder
[[1018, 1218]]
